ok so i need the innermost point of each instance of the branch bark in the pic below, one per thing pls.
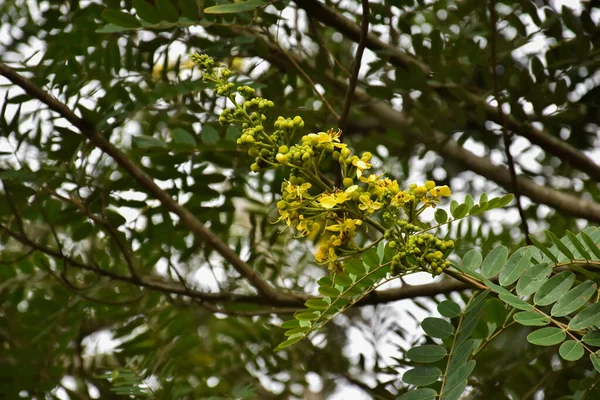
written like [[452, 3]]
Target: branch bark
[[187, 218], [447, 147], [552, 144]]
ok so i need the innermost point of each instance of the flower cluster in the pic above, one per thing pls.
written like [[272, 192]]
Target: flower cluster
[[312, 204]]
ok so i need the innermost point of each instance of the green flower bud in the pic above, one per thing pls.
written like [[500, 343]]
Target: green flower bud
[[253, 152], [255, 167], [347, 182]]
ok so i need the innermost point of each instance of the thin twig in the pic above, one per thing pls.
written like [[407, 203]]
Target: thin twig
[[13, 207], [507, 140], [104, 223], [362, 43], [187, 218], [305, 76]]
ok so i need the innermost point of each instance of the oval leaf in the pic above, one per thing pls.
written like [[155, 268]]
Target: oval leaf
[[515, 302], [543, 248], [595, 359], [554, 288], [560, 245], [316, 304], [448, 309], [472, 260], [515, 266], [119, 18], [533, 279], [546, 336], [422, 376], [437, 327], [419, 394], [586, 318], [441, 216], [592, 338], [145, 11], [590, 244], [531, 318], [235, 8], [426, 353], [494, 261], [578, 245], [494, 311], [574, 299], [460, 211], [571, 350]]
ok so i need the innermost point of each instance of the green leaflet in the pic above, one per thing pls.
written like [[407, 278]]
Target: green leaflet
[[449, 309], [422, 375], [546, 336], [472, 260], [587, 318], [533, 279], [592, 338], [544, 249], [515, 266], [560, 246], [595, 358], [574, 299], [419, 394], [426, 353], [241, 6], [571, 350], [554, 288], [531, 318], [578, 245], [494, 261], [437, 327]]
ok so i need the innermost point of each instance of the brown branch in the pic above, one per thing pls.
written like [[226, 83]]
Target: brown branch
[[103, 223], [552, 144], [450, 149], [186, 217], [506, 138], [159, 285], [364, 31]]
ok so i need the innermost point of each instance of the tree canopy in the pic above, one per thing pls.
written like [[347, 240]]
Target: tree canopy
[[293, 199]]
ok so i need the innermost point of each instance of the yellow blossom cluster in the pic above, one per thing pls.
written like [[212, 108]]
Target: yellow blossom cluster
[[310, 201]]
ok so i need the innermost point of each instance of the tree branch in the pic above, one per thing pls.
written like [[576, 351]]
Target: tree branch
[[187, 218], [506, 138], [449, 148], [364, 31], [550, 143]]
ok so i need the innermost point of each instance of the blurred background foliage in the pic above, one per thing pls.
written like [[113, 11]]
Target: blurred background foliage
[[67, 211]]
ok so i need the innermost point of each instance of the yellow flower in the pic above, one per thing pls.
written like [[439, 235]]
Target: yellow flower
[[368, 205], [324, 138], [330, 200], [361, 166], [401, 198], [296, 191], [441, 191], [325, 253], [430, 184], [348, 225], [371, 178], [385, 185]]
